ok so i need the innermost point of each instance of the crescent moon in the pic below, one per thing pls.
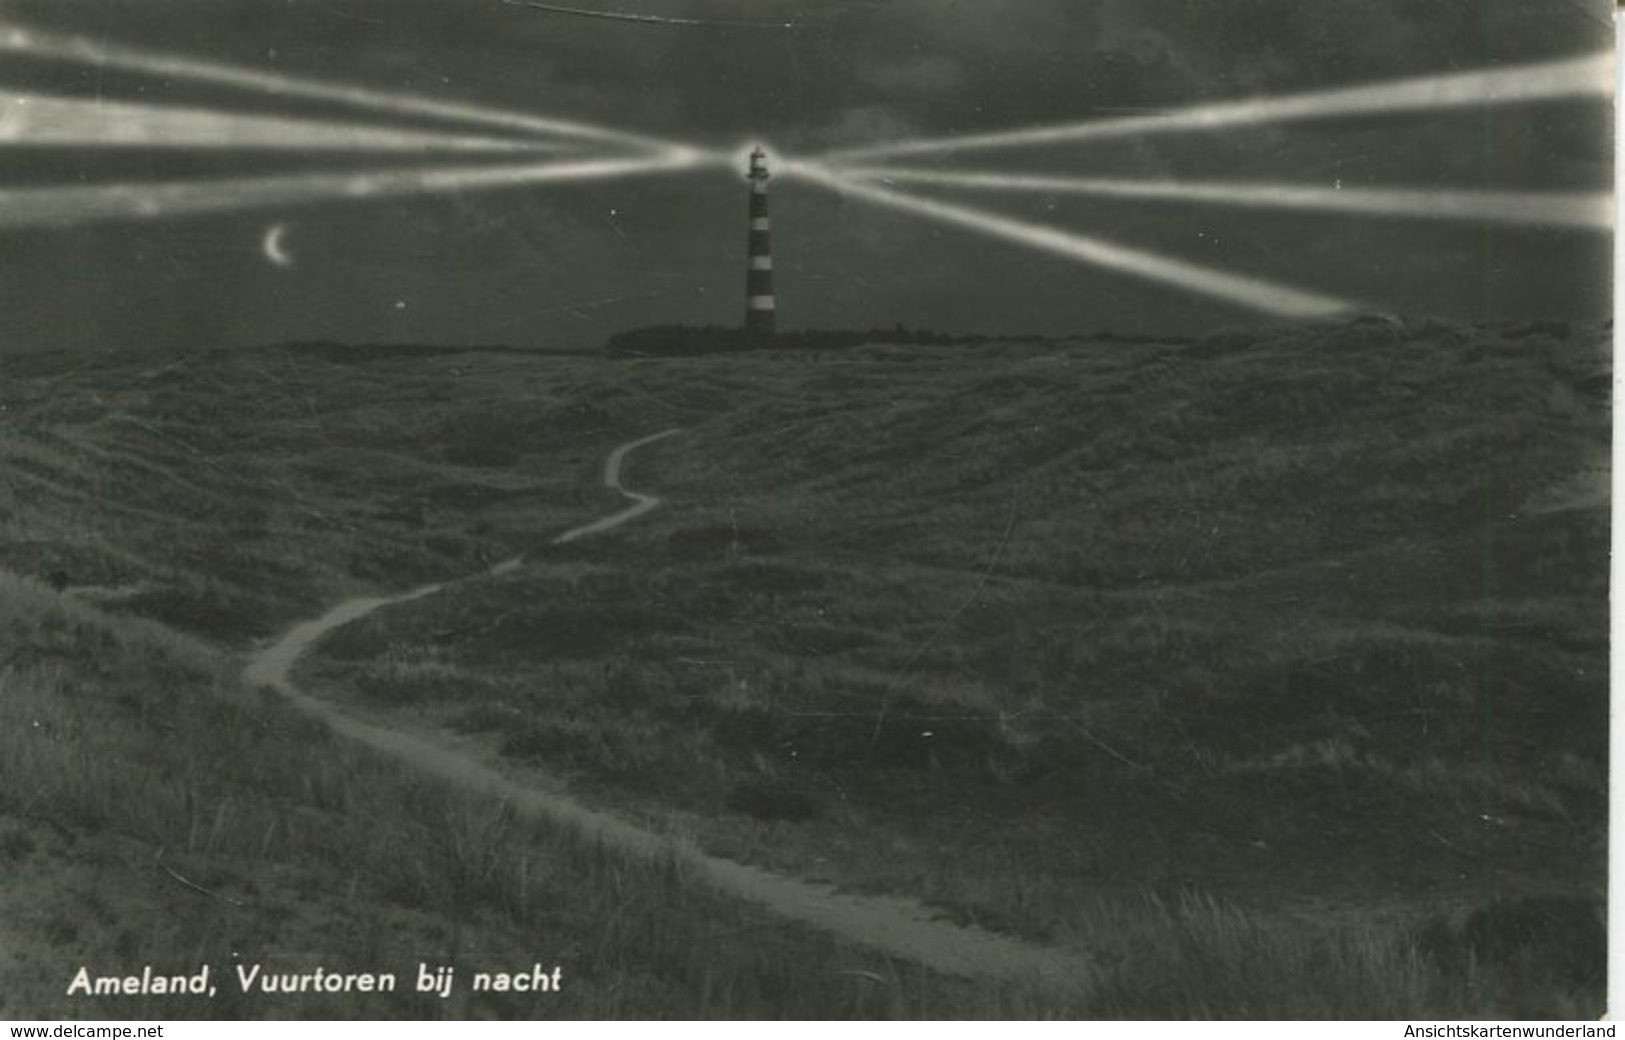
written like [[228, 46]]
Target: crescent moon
[[272, 246]]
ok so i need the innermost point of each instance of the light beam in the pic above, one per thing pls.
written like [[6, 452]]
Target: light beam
[[1591, 210], [153, 63], [1590, 76], [1252, 293], [648, 19], [46, 120], [79, 204]]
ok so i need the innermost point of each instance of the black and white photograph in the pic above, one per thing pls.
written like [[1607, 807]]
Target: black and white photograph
[[805, 509]]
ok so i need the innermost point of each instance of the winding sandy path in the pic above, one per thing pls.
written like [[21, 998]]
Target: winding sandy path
[[897, 927], [612, 479]]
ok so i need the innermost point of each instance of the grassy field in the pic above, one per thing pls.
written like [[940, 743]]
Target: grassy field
[[1270, 669]]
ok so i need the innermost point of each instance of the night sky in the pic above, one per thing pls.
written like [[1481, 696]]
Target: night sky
[[565, 266]]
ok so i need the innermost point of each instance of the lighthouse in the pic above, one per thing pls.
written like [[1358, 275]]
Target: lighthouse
[[759, 305]]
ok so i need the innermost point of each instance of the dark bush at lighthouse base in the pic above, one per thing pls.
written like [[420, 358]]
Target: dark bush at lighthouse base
[[693, 340]]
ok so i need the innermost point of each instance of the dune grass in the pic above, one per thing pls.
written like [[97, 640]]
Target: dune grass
[[151, 812], [156, 815], [1268, 669]]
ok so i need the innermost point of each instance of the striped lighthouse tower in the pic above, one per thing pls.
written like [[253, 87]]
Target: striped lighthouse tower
[[759, 305]]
